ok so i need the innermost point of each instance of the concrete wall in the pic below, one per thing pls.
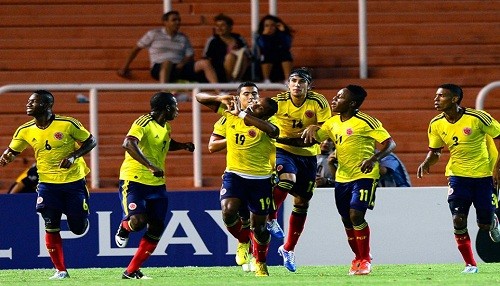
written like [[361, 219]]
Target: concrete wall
[[408, 225]]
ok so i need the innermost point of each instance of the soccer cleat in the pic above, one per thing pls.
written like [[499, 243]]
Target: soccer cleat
[[494, 231], [121, 237], [288, 259], [242, 255], [261, 269], [364, 268], [275, 229], [134, 275], [60, 275], [470, 269], [354, 267]]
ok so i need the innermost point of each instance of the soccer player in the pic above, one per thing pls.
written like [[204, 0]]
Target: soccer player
[[248, 175], [59, 143], [296, 164], [142, 191], [217, 143], [464, 131], [354, 134]]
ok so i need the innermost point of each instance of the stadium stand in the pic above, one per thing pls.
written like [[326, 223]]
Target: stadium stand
[[413, 46]]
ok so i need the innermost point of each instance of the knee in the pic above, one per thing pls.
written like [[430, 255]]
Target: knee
[[156, 228], [230, 207], [138, 221], [78, 226], [459, 221], [357, 217], [286, 185]]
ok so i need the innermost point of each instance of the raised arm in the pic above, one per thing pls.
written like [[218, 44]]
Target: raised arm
[[264, 125], [214, 101]]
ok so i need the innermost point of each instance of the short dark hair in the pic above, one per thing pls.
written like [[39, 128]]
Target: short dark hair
[[46, 96], [358, 93], [455, 89], [161, 99], [167, 15], [225, 18], [245, 84]]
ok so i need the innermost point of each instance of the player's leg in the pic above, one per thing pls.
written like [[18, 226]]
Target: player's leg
[[287, 170], [303, 189], [231, 202], [50, 205], [132, 201], [343, 195], [156, 212], [260, 202], [260, 243], [76, 207], [363, 198], [459, 202], [485, 201]]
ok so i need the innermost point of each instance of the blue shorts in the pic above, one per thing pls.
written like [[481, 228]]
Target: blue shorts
[[304, 168], [71, 199], [137, 198], [257, 193], [358, 195], [463, 192]]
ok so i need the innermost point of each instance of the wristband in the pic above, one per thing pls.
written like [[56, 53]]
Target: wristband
[[242, 114]]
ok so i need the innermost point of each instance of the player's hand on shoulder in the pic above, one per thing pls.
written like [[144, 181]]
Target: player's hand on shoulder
[[309, 133]]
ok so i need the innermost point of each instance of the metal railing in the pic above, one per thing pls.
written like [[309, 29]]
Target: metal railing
[[481, 96], [94, 88]]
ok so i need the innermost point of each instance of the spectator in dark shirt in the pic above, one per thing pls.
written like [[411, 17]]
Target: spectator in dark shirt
[[227, 51], [274, 42]]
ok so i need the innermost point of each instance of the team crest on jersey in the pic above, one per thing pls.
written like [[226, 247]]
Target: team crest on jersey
[[309, 113], [132, 206], [58, 135], [349, 131], [450, 191], [252, 133], [467, 131], [279, 168], [39, 200]]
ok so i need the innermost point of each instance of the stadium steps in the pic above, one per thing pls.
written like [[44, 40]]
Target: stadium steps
[[413, 46]]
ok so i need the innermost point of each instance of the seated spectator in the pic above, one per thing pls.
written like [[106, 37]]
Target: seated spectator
[[325, 174], [227, 51], [26, 182], [393, 173], [274, 42], [171, 54]]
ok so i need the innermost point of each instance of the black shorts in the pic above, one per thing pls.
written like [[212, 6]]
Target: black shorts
[[186, 73]]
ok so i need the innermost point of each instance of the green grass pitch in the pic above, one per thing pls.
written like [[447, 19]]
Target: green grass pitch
[[389, 274]]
